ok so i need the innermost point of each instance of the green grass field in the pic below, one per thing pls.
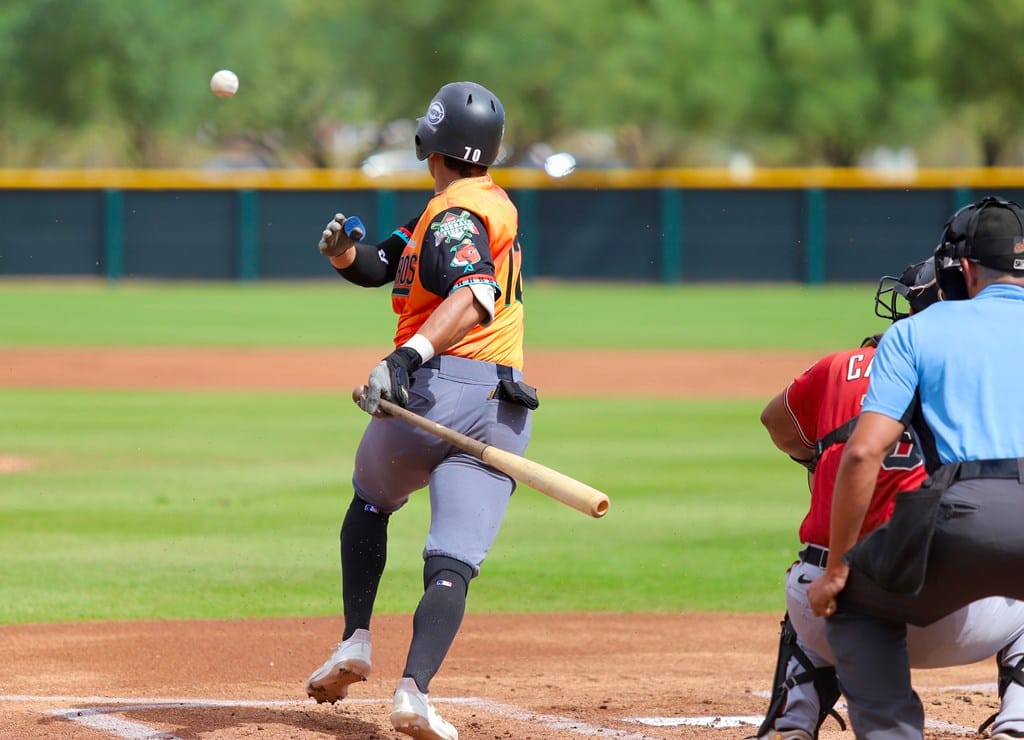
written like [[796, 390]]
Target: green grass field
[[333, 313], [181, 505]]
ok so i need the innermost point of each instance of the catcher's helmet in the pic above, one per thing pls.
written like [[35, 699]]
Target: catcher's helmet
[[916, 285], [464, 121], [990, 232]]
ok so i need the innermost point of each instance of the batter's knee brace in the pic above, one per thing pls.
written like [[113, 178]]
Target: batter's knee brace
[[439, 570], [826, 685]]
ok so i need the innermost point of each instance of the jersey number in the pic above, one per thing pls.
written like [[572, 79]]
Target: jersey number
[[905, 455], [514, 283]]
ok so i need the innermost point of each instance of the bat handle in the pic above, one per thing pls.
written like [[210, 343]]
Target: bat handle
[[385, 407], [354, 228]]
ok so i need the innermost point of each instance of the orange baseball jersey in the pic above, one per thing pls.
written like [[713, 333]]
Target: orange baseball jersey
[[823, 398], [466, 235]]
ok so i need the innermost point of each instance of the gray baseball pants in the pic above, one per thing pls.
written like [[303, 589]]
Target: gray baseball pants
[[468, 498]]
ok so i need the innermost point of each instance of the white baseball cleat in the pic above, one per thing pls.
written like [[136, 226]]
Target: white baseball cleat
[[348, 664], [412, 714]]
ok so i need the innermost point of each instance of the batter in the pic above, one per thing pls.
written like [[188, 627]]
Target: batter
[[457, 288]]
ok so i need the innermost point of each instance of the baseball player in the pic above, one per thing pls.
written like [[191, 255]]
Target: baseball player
[[952, 373], [458, 357], [810, 420]]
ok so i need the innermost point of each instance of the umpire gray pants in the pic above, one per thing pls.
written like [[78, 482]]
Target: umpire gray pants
[[977, 550]]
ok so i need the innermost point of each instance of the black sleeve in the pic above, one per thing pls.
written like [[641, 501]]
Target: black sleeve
[[376, 265], [456, 251]]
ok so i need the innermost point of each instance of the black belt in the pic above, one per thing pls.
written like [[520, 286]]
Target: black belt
[[1008, 467], [814, 555]]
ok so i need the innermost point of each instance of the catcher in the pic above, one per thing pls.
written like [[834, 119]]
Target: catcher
[[810, 420]]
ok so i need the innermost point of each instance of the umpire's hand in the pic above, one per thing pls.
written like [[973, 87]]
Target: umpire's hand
[[822, 593]]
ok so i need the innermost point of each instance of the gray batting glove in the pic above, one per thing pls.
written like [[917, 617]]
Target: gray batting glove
[[334, 242], [378, 386], [391, 379]]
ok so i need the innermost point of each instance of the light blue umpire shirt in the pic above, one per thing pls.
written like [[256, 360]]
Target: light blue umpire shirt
[[966, 360]]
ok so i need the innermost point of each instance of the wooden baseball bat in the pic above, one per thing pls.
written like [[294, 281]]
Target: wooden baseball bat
[[558, 486]]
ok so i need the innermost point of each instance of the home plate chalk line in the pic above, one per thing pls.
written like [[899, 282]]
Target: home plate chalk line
[[101, 715], [722, 721]]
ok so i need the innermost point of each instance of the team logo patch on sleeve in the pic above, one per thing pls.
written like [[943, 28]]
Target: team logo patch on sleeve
[[465, 255], [453, 228]]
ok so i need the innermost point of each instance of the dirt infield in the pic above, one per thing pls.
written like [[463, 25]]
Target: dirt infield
[[539, 677], [637, 677], [722, 374]]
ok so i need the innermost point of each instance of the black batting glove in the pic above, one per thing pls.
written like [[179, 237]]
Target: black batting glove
[[391, 379]]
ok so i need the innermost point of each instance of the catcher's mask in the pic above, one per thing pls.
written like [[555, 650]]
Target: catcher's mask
[[917, 286], [465, 121], [989, 232]]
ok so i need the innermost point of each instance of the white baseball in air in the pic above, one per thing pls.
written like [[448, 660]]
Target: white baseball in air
[[224, 83], [560, 164]]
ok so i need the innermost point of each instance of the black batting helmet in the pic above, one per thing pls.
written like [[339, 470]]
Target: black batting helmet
[[990, 232], [465, 121], [916, 285]]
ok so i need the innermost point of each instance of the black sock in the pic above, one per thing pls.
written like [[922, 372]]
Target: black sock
[[438, 617], [364, 549]]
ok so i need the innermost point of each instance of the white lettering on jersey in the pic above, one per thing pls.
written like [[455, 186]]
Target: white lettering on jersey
[[856, 368]]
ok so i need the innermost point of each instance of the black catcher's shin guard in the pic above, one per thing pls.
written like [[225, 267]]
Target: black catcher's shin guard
[[825, 682], [1007, 675]]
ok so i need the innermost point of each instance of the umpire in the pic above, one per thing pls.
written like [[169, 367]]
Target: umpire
[[955, 374]]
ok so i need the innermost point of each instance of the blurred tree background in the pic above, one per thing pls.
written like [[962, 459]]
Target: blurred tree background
[[632, 83]]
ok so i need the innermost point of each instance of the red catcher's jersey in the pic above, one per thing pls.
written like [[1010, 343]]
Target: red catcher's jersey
[[824, 397]]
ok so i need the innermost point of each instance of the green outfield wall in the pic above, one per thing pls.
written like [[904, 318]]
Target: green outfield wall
[[673, 225]]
